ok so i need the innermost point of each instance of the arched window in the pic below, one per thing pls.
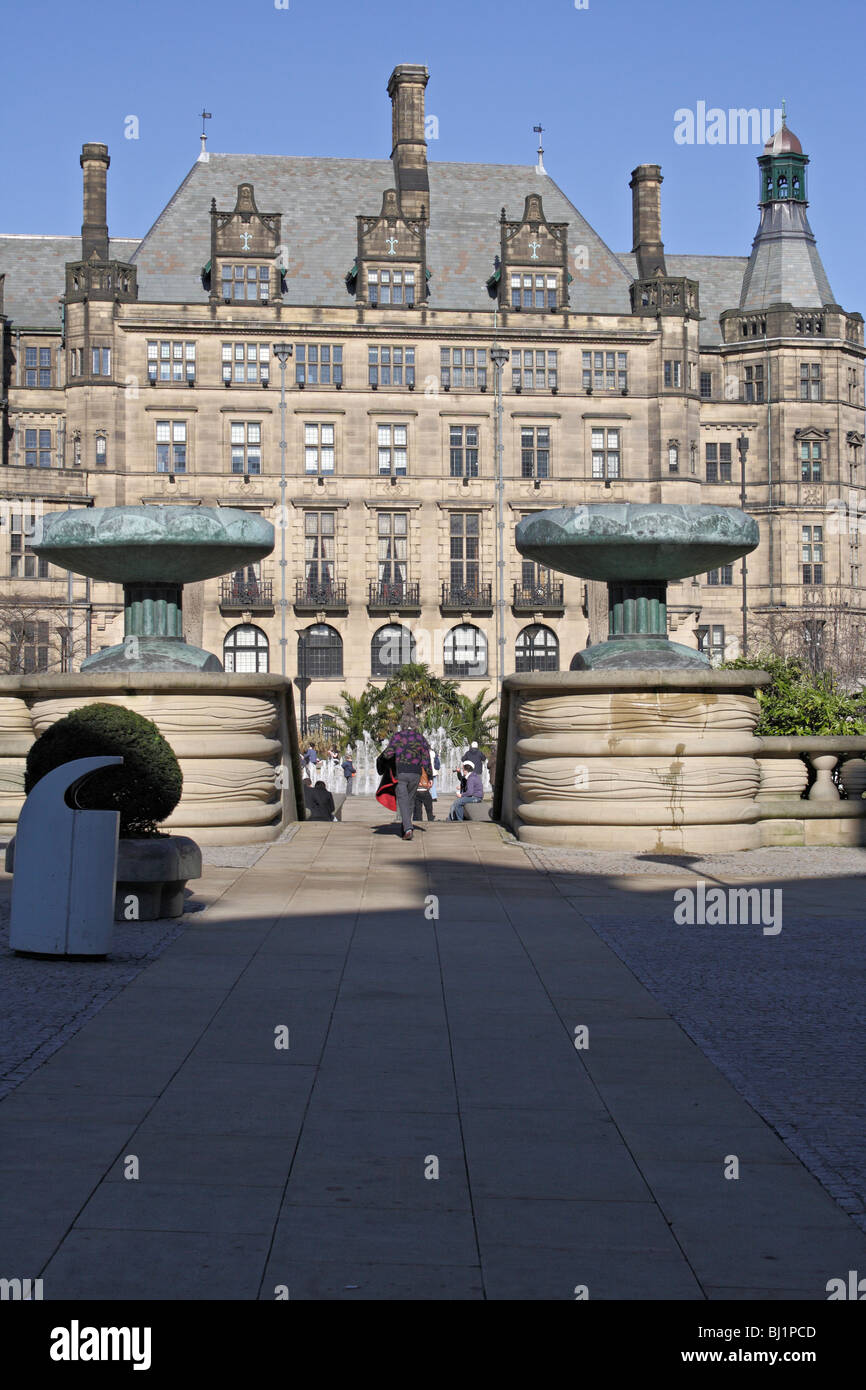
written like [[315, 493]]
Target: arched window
[[465, 652], [536, 649], [392, 646], [320, 652], [245, 649]]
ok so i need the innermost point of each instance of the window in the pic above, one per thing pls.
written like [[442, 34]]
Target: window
[[28, 647], [37, 448], [76, 361], [391, 647], [318, 448], [101, 451], [391, 366], [465, 652], [171, 446], [534, 578], [605, 453], [170, 361], [246, 446], [711, 641], [24, 524], [250, 362], [853, 385], [391, 286], [674, 373], [76, 450], [718, 463], [536, 649], [723, 575], [605, 371], [318, 364], [533, 369], [533, 290], [813, 555], [535, 451], [246, 282], [706, 386], [810, 462], [673, 457], [810, 381], [754, 384], [463, 368], [37, 367], [392, 450], [318, 550], [320, 652], [393, 531], [464, 451], [465, 546], [245, 649], [100, 360]]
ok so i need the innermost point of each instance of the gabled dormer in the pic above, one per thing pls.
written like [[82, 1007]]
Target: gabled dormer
[[390, 268], [243, 267], [533, 260]]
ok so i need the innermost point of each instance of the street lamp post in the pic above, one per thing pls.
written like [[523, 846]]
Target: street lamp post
[[743, 448], [282, 352], [499, 356]]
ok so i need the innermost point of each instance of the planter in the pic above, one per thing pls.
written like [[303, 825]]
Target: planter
[[152, 875]]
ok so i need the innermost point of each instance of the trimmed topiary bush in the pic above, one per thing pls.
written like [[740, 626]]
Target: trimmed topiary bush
[[144, 790]]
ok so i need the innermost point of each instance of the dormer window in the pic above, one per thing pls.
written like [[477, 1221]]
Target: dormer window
[[533, 290], [247, 283], [388, 285]]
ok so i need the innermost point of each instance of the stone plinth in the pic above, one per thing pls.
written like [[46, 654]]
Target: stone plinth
[[658, 761], [234, 736]]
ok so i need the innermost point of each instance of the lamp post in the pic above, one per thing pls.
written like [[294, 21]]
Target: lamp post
[[282, 352], [499, 356], [743, 449]]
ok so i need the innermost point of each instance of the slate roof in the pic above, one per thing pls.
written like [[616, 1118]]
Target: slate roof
[[721, 281], [785, 267], [319, 200], [36, 278]]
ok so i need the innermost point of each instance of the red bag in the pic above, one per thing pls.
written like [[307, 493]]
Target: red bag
[[387, 793]]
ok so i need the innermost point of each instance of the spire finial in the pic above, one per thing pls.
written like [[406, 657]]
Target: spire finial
[[784, 110], [205, 116], [539, 168]]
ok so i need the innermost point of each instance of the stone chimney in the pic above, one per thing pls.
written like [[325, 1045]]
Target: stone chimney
[[94, 228], [409, 153], [646, 210]]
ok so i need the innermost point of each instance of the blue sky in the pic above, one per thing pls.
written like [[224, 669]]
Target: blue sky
[[604, 81]]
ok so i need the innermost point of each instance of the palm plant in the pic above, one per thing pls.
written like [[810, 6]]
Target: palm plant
[[472, 722], [351, 719], [412, 681]]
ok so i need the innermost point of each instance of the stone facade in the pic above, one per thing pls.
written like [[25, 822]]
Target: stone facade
[[145, 372]]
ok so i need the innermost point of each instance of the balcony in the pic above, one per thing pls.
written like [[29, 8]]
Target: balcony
[[255, 596], [314, 596], [538, 598], [388, 597], [466, 598]]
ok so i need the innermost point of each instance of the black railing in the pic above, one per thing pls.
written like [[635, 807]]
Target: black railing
[[388, 594], [535, 596], [466, 597], [316, 593], [257, 593]]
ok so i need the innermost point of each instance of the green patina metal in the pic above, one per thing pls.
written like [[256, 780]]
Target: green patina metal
[[153, 552], [636, 548]]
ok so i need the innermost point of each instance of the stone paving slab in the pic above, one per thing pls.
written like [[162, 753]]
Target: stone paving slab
[[431, 1132]]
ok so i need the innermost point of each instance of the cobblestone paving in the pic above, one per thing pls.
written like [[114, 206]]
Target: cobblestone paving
[[783, 1017]]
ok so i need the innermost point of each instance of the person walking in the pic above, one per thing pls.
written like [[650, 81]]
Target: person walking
[[348, 772], [474, 792], [410, 753], [311, 756]]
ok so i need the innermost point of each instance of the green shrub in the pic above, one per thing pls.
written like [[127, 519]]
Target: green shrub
[[801, 702], [144, 790]]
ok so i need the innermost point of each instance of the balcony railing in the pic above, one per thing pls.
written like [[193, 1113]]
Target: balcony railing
[[466, 598], [252, 594], [320, 594], [388, 595], [536, 597]]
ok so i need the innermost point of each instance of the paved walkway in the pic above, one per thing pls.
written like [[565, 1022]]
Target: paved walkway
[[427, 1035]]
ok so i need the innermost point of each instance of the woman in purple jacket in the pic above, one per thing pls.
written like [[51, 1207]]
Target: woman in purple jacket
[[410, 752]]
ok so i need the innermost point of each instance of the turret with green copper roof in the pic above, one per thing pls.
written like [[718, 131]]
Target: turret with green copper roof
[[782, 167]]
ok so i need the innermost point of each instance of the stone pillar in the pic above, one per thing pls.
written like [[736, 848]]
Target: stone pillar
[[409, 145], [646, 185], [94, 228]]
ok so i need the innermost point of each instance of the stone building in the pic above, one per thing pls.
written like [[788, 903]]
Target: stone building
[[146, 372]]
